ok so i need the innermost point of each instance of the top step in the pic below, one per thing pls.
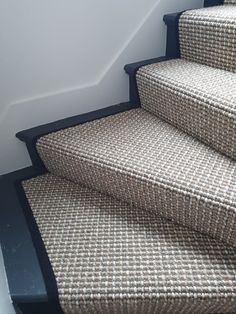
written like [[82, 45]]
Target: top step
[[208, 36]]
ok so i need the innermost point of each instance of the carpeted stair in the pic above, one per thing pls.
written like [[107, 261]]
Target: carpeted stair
[[196, 98], [109, 257], [207, 36], [138, 210], [136, 157]]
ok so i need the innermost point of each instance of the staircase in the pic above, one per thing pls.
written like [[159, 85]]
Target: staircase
[[132, 209]]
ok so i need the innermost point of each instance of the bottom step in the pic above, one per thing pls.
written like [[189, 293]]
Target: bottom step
[[108, 257]]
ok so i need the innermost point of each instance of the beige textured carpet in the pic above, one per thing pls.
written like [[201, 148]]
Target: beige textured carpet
[[195, 98], [136, 157], [207, 36], [102, 209], [109, 257]]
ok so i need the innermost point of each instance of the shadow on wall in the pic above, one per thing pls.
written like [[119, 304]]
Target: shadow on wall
[[68, 61]]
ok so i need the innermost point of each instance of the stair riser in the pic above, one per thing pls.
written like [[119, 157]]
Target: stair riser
[[197, 113], [208, 39]]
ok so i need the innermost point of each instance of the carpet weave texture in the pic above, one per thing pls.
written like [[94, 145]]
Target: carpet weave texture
[[197, 99], [136, 157], [138, 209], [109, 257], [208, 36]]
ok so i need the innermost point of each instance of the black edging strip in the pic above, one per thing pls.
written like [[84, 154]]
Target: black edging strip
[[30, 136], [172, 43], [132, 69], [53, 305], [25, 279], [210, 3]]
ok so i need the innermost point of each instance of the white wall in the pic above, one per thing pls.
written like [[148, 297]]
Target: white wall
[[65, 57], [6, 306]]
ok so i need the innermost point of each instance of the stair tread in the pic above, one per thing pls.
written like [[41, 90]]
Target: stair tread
[[135, 156], [208, 36], [108, 256], [198, 99]]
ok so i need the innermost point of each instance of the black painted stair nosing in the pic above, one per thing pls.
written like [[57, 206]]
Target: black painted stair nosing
[[210, 3], [131, 69], [30, 136], [31, 281], [172, 43]]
